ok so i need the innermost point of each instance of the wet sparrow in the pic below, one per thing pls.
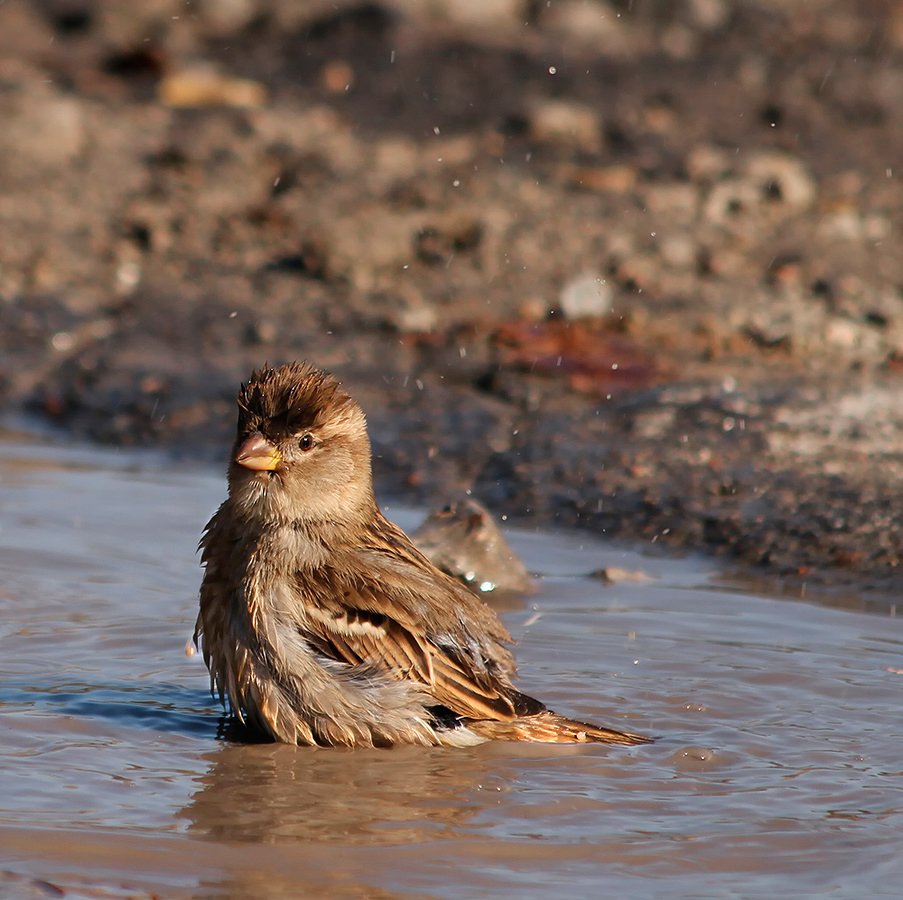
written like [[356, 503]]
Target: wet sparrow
[[320, 620]]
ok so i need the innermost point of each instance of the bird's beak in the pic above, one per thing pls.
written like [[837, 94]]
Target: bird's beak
[[258, 454]]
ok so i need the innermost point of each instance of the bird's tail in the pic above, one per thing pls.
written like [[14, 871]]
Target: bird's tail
[[550, 728]]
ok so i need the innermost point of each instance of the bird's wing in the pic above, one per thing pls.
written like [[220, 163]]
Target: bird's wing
[[351, 631]]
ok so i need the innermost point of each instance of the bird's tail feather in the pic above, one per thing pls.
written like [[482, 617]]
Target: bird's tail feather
[[550, 728]]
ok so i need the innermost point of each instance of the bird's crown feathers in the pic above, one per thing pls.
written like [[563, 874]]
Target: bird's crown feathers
[[291, 397]]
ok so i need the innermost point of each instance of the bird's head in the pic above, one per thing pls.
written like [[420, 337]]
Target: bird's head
[[301, 452]]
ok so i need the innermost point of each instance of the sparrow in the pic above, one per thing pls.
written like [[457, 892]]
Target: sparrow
[[463, 540], [320, 621]]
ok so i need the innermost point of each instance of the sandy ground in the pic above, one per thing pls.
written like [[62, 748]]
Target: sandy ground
[[632, 266]]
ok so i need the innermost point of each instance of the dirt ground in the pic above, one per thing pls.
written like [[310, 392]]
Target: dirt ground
[[630, 265]]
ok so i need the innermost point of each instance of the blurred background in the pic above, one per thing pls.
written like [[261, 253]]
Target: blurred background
[[632, 265]]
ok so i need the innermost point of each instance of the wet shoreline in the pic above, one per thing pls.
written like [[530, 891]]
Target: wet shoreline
[[794, 527]]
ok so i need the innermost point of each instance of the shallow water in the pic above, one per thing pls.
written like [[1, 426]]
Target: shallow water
[[777, 770]]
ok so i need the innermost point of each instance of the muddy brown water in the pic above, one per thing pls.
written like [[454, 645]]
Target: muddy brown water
[[777, 769]]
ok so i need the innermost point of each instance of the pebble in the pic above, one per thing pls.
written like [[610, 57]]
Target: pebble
[[588, 295], [568, 123], [207, 87], [41, 131]]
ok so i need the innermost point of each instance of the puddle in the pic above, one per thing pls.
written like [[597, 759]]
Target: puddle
[[777, 770]]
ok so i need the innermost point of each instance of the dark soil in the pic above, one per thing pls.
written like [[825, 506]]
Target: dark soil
[[633, 266]]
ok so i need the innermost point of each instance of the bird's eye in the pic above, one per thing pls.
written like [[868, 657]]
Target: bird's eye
[[306, 441]]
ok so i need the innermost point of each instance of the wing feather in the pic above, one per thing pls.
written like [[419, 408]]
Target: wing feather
[[357, 637], [389, 609]]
